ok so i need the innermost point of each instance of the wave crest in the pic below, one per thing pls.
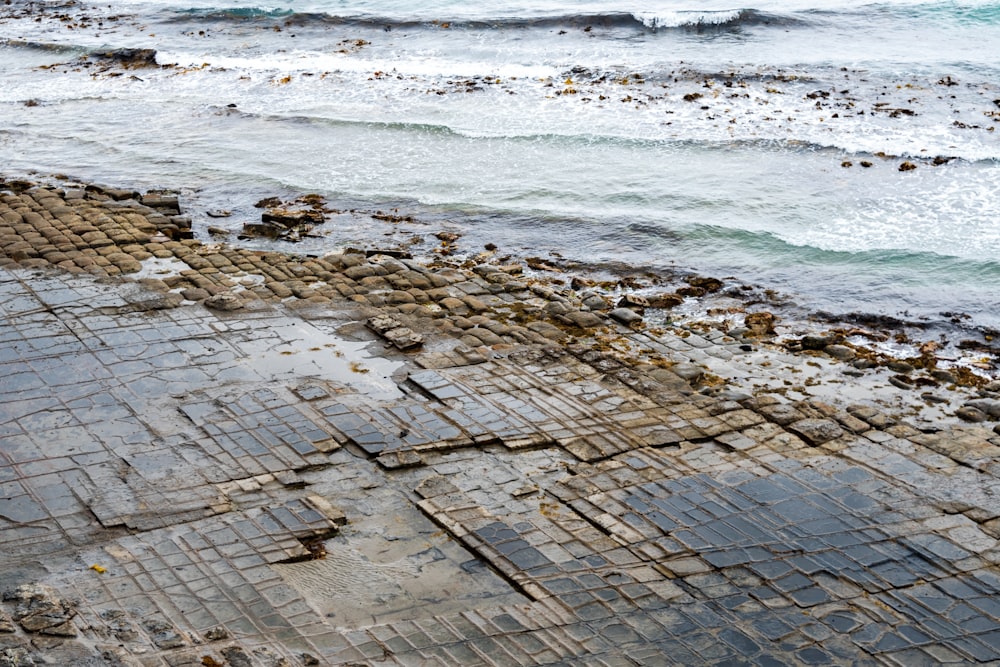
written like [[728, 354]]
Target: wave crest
[[696, 19], [648, 21]]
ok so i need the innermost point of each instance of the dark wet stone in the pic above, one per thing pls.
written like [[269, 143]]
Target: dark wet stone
[[163, 202], [133, 58], [665, 301], [810, 597], [817, 341], [584, 319]]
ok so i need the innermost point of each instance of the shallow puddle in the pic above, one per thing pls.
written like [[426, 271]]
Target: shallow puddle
[[292, 350]]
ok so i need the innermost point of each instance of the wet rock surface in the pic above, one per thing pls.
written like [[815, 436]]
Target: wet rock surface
[[374, 460]]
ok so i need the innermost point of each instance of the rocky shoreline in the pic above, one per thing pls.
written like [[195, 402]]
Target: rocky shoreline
[[110, 232], [537, 428]]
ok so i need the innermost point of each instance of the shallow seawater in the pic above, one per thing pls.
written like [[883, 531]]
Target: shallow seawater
[[763, 144], [298, 350]]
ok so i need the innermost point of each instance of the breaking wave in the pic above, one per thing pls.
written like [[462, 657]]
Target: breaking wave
[[645, 21]]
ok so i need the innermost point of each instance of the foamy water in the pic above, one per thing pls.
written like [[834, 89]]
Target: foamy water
[[670, 135]]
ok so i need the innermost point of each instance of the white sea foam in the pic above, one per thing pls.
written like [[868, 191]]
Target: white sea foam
[[677, 19]]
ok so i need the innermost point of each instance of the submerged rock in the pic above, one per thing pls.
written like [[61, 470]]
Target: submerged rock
[[132, 58]]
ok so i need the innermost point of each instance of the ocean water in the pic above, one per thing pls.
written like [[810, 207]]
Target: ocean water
[[667, 136]]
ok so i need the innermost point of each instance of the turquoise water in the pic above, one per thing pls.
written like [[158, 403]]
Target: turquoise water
[[669, 136]]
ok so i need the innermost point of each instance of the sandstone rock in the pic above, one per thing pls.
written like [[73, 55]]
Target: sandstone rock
[[399, 297], [633, 301], [692, 291], [131, 58], [594, 301], [688, 371], [781, 413], [485, 336], [625, 315], [705, 283], [872, 416], [759, 324], [816, 431], [547, 330], [970, 414], [225, 301], [395, 332], [665, 300], [39, 610], [584, 320], [164, 635], [987, 405], [6, 623], [557, 308], [147, 301], [474, 304], [453, 305]]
